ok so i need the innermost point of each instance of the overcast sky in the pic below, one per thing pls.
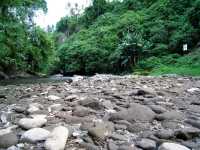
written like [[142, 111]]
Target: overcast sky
[[56, 10]]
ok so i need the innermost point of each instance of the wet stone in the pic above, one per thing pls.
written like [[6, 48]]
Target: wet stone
[[146, 144], [171, 115], [29, 123], [158, 109], [57, 139], [8, 139], [136, 112], [165, 134], [112, 146], [35, 135], [92, 103], [187, 133], [172, 146]]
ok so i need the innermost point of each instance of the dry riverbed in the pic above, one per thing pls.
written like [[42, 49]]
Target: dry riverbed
[[103, 112]]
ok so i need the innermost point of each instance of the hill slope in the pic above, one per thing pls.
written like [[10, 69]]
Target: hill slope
[[116, 37]]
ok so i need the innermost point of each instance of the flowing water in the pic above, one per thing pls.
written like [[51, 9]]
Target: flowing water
[[34, 80]]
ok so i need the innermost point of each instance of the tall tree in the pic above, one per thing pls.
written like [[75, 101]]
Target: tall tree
[[16, 30]]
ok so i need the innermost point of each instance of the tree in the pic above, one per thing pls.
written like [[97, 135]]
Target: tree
[[16, 34]]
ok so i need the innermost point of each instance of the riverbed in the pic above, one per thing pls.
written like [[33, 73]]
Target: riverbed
[[101, 112]]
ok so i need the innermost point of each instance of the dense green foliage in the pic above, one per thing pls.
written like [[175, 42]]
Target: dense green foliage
[[23, 46], [116, 37], [144, 36]]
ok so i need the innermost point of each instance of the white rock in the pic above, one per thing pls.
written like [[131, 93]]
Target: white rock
[[77, 78], [7, 130], [29, 123], [53, 97], [192, 90], [57, 139], [39, 116], [13, 148], [55, 107], [172, 146], [35, 135], [33, 107]]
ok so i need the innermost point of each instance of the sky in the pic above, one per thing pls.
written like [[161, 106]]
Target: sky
[[56, 10]]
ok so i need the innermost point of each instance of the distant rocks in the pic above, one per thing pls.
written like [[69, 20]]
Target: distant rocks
[[146, 91]]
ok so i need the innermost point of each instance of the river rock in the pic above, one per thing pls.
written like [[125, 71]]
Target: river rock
[[146, 144], [89, 146], [35, 135], [136, 112], [81, 111], [53, 97], [34, 107], [172, 146], [187, 133], [29, 123], [7, 138], [146, 91], [194, 123], [112, 146], [165, 134], [19, 109], [171, 115], [99, 132], [158, 109], [13, 148], [55, 107], [138, 127], [57, 139], [92, 103]]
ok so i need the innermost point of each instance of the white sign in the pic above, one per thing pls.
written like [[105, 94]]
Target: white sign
[[185, 47]]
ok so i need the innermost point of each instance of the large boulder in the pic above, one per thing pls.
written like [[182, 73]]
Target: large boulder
[[136, 112], [35, 122], [172, 146], [7, 138], [57, 139], [35, 135]]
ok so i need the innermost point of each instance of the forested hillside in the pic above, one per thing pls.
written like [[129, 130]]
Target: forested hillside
[[23, 46], [144, 36], [140, 36]]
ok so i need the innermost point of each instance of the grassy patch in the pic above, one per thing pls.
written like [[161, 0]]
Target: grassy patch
[[184, 70], [188, 65]]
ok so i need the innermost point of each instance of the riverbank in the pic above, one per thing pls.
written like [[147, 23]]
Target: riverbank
[[103, 112]]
